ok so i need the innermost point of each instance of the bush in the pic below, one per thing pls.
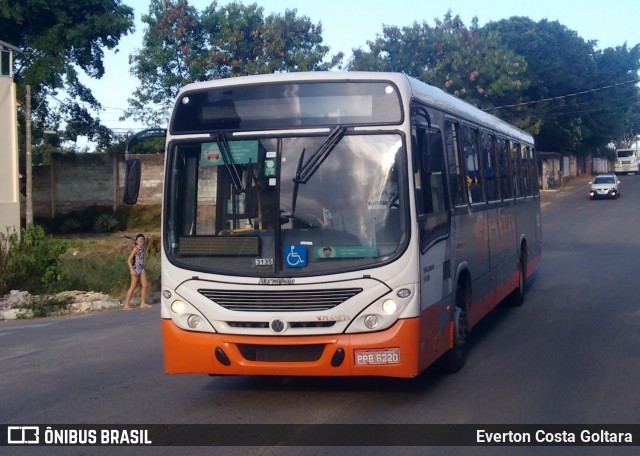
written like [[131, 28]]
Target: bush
[[105, 223], [70, 225], [30, 261]]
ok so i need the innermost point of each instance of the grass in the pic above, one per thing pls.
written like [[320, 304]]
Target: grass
[[35, 261], [99, 263]]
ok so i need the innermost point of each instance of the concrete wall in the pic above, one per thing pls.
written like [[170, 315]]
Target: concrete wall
[[76, 181], [9, 191]]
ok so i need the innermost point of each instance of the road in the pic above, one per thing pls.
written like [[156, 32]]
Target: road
[[569, 355]]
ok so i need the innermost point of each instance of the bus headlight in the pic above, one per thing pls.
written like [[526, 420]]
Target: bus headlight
[[385, 311], [371, 321], [178, 307], [389, 306]]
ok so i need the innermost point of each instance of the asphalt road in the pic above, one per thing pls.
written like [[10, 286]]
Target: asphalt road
[[569, 355]]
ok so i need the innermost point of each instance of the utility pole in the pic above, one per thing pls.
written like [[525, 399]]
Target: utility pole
[[29, 200]]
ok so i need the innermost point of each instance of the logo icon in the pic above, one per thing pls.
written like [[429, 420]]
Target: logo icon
[[29, 435], [278, 325], [295, 256]]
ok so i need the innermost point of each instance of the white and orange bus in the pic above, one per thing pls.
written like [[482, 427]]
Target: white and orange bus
[[338, 224]]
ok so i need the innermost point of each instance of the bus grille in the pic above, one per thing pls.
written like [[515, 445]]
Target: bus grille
[[292, 324], [279, 301], [281, 353]]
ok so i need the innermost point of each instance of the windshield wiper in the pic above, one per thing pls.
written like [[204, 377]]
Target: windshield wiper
[[227, 158], [307, 170], [296, 184]]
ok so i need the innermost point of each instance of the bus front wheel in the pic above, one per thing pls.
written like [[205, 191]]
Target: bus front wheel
[[457, 355]]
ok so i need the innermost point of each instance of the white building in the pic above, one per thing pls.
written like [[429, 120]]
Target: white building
[[9, 190]]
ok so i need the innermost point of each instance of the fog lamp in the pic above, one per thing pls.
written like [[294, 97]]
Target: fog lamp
[[193, 321], [389, 306], [178, 307], [371, 321]]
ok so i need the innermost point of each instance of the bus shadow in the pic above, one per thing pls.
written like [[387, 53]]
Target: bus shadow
[[422, 384]]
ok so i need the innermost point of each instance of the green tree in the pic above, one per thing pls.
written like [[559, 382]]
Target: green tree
[[580, 95], [616, 118], [60, 38], [479, 69], [183, 45]]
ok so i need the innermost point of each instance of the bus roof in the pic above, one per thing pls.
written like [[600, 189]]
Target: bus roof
[[419, 90]]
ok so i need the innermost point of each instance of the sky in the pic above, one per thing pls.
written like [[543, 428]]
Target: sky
[[349, 24]]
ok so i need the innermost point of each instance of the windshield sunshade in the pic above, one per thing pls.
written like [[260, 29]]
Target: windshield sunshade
[[294, 105]]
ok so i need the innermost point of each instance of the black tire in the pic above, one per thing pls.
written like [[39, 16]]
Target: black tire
[[517, 296], [455, 358]]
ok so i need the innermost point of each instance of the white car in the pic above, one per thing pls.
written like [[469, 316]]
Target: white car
[[604, 186]]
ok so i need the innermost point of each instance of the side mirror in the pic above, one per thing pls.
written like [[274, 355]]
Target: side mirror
[[132, 181]]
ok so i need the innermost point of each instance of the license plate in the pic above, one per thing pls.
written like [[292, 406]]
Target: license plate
[[374, 357]]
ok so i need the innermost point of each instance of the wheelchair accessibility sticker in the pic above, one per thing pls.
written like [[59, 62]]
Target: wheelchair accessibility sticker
[[295, 256]]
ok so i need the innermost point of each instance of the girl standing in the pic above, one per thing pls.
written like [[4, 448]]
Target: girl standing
[[136, 268]]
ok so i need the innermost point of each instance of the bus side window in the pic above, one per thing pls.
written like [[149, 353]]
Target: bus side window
[[524, 171], [506, 188], [488, 152], [455, 171], [474, 176], [533, 169], [516, 170], [431, 171], [530, 170], [431, 193]]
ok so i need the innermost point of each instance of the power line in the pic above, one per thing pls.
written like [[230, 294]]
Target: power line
[[562, 97]]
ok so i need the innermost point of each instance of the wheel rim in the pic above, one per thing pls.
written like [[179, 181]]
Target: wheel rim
[[461, 328]]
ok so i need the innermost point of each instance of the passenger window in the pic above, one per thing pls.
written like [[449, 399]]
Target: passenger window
[[457, 179], [516, 170], [431, 195], [432, 171], [472, 163], [506, 189], [489, 165]]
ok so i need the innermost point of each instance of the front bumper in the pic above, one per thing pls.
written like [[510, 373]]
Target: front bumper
[[608, 193], [187, 352]]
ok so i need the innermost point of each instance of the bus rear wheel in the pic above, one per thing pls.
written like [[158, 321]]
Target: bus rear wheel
[[517, 296]]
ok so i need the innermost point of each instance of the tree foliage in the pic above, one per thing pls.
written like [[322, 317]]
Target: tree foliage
[[183, 45], [580, 95], [540, 76], [59, 38], [479, 69]]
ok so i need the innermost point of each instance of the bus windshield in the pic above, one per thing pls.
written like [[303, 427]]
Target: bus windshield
[[244, 210]]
